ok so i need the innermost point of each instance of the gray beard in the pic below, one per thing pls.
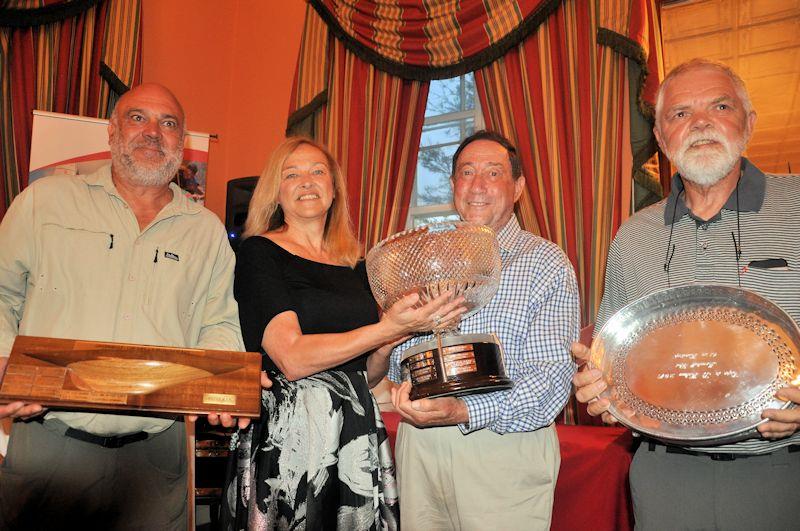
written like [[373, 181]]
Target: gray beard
[[707, 169], [143, 175]]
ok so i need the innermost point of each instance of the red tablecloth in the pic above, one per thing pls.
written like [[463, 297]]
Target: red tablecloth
[[592, 490]]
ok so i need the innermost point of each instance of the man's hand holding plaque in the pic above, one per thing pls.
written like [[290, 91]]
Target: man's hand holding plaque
[[18, 409], [782, 422], [227, 420]]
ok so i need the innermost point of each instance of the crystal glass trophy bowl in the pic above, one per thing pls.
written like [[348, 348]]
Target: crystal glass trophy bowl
[[457, 257], [697, 364]]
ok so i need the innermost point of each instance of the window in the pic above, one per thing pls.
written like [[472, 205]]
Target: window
[[452, 114]]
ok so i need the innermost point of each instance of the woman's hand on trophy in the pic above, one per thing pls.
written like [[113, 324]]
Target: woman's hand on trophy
[[407, 315], [782, 422], [589, 384], [445, 411]]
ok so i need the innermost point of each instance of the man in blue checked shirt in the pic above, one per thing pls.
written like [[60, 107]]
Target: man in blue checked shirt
[[492, 459]]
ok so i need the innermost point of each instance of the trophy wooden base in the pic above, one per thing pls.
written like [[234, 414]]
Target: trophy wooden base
[[459, 365], [95, 375]]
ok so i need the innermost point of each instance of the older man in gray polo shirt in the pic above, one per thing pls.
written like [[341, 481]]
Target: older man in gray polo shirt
[[725, 222]]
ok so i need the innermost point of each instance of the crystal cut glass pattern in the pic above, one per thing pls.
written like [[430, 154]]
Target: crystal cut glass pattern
[[461, 257]]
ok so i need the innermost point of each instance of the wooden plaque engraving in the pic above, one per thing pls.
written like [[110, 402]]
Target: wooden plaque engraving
[[96, 375]]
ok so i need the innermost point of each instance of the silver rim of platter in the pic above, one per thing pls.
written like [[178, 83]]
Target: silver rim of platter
[[697, 364]]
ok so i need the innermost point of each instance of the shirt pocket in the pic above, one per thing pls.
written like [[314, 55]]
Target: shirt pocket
[[173, 286], [75, 260], [780, 286]]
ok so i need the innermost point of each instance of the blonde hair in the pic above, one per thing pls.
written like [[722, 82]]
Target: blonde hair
[[265, 214]]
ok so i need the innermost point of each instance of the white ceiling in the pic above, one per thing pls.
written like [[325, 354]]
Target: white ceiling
[[760, 40]]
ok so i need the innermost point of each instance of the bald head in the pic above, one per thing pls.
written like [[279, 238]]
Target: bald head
[[145, 134], [150, 93]]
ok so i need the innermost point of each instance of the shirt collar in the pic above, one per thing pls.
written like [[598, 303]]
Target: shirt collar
[[180, 204], [751, 194], [508, 234]]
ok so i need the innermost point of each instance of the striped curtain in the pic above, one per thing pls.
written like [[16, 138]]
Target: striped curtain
[[631, 56], [536, 95], [431, 39], [567, 80], [372, 123], [370, 120], [574, 98], [570, 82], [565, 100], [72, 65]]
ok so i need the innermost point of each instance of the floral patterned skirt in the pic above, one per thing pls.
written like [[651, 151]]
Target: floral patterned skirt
[[318, 458]]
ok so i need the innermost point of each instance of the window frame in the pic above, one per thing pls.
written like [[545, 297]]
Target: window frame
[[460, 117]]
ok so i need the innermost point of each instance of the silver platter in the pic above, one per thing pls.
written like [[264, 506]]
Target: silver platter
[[697, 364]]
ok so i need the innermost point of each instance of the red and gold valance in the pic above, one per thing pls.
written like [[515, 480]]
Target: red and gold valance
[[432, 39]]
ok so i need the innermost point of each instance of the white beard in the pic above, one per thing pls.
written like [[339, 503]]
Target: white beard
[[708, 166], [121, 157]]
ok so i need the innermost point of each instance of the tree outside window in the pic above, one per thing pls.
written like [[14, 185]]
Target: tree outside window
[[451, 115]]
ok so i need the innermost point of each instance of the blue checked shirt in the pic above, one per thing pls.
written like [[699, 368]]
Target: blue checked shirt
[[536, 315]]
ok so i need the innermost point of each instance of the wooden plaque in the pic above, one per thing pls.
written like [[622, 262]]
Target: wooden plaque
[[95, 375]]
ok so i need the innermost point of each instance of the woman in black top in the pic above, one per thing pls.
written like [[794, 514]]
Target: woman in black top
[[319, 456]]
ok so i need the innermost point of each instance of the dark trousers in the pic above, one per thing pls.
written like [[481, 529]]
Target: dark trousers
[[677, 491], [51, 481]]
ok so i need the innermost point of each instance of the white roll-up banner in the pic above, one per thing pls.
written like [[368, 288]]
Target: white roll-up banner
[[64, 144]]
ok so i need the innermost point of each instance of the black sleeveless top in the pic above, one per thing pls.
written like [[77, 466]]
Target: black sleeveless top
[[326, 298]]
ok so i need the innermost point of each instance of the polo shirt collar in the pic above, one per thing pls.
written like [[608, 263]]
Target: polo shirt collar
[[751, 194]]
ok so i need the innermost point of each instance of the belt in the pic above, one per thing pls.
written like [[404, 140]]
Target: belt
[[114, 441], [670, 449]]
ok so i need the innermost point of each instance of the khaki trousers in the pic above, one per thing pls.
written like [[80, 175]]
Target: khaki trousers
[[448, 480]]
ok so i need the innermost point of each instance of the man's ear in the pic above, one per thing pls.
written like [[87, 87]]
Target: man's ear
[[751, 125], [519, 186], [657, 134]]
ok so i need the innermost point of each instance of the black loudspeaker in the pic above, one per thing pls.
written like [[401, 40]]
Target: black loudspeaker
[[236, 202]]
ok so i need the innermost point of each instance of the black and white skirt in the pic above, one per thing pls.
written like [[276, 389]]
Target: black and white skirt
[[318, 458]]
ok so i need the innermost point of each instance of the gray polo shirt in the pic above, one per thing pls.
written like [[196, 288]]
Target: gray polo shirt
[[704, 252]]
